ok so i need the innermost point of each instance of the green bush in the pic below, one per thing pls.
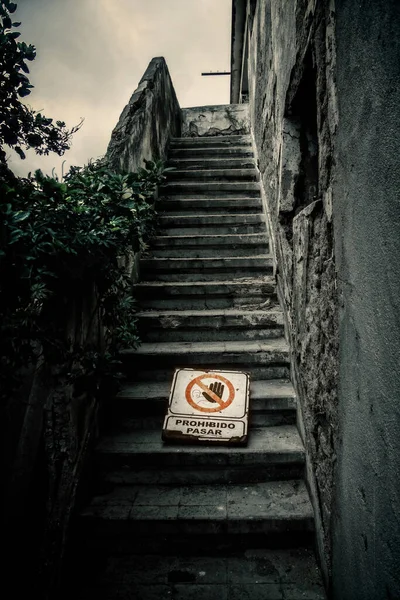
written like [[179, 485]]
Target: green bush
[[59, 236]]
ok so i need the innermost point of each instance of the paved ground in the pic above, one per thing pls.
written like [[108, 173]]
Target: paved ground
[[253, 575]]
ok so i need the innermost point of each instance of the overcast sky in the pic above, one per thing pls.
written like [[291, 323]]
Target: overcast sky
[[91, 55]]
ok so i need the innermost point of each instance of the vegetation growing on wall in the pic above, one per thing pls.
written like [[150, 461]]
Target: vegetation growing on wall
[[58, 235]]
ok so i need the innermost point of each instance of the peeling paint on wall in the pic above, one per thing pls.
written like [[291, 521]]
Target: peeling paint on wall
[[208, 121]]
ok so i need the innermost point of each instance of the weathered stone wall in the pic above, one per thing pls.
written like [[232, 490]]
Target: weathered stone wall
[[293, 116], [324, 103], [148, 121], [366, 547], [51, 428], [58, 422], [205, 121]]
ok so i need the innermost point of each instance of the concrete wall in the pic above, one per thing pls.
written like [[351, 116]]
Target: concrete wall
[[293, 116], [366, 550], [324, 106], [206, 121], [238, 24], [148, 121]]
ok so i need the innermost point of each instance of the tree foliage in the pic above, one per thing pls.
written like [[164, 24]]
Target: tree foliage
[[21, 127]]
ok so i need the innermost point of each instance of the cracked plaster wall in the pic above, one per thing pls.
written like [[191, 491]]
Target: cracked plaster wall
[[294, 117], [207, 121]]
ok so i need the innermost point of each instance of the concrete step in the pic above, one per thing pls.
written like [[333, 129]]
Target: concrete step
[[143, 405], [234, 189], [257, 419], [207, 246], [269, 507], [223, 141], [220, 573], [119, 424], [218, 152], [162, 369], [204, 269], [211, 163], [209, 325], [263, 359], [203, 206], [139, 457], [272, 395], [192, 241], [206, 251], [212, 224], [194, 220], [213, 175], [253, 293]]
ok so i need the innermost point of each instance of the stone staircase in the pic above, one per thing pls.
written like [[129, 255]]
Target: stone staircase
[[184, 521]]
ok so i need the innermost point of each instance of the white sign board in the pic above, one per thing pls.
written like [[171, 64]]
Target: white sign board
[[209, 406]]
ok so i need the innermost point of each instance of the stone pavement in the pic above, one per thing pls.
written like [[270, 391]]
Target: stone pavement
[[257, 574]]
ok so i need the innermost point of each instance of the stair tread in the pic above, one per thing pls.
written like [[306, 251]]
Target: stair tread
[[197, 140], [190, 163], [213, 200], [209, 348], [216, 215], [216, 573], [208, 312], [196, 198], [283, 500], [215, 171], [212, 160], [216, 147], [210, 284], [209, 236], [274, 388], [207, 259], [250, 185], [245, 146], [281, 439]]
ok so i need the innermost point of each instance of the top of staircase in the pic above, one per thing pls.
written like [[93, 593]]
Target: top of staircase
[[217, 140]]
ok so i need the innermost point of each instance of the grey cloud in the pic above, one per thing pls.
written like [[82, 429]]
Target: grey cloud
[[92, 53]]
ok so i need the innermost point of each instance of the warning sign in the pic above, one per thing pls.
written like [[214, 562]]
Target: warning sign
[[209, 406], [214, 395]]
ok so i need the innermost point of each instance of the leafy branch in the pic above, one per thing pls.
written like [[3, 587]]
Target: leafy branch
[[20, 126], [57, 238]]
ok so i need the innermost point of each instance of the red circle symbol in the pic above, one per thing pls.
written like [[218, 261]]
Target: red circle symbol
[[222, 404]]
